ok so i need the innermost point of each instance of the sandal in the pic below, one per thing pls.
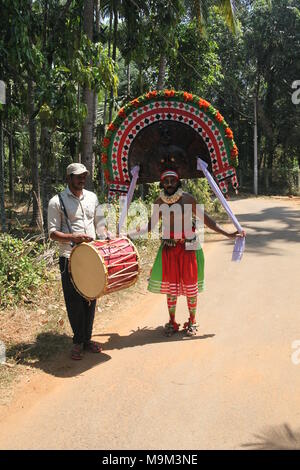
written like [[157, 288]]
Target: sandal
[[93, 347], [76, 353], [190, 328], [171, 328]]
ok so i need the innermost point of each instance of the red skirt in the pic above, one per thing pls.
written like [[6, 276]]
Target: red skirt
[[177, 271]]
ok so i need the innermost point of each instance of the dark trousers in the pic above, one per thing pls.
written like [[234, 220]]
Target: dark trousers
[[81, 312]]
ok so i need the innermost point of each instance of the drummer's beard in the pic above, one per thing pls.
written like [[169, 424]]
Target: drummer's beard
[[77, 182]]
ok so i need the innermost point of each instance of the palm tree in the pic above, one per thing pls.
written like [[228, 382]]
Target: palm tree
[[87, 134], [165, 15], [37, 218], [129, 12], [198, 9]]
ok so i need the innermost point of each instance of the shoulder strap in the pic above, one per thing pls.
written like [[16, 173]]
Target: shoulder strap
[[62, 205]]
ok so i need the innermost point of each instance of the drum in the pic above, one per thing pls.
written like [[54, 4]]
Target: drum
[[104, 266]]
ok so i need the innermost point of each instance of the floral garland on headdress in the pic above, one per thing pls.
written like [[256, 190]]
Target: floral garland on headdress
[[166, 94]]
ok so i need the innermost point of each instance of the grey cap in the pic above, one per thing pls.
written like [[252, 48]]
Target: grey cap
[[76, 169]]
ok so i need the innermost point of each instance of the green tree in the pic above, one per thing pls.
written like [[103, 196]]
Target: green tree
[[272, 42]]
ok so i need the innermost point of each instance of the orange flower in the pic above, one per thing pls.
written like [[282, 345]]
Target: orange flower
[[229, 133], [105, 142], [169, 93], [151, 94], [203, 104], [234, 151], [122, 113], [187, 96], [106, 174], [111, 127], [135, 103], [104, 158], [219, 117]]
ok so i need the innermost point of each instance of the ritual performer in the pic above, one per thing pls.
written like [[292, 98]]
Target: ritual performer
[[72, 219], [179, 265]]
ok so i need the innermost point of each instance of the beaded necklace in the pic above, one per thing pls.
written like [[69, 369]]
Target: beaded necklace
[[171, 199]]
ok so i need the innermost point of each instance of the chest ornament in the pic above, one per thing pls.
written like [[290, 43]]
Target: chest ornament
[[171, 199]]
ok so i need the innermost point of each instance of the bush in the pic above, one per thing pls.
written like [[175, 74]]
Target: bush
[[200, 189], [22, 270], [153, 193]]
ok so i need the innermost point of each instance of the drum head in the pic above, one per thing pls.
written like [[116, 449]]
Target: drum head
[[88, 271]]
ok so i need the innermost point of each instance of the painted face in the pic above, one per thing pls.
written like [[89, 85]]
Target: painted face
[[170, 184], [77, 182]]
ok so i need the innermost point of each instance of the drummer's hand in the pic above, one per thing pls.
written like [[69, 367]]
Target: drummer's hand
[[81, 237], [131, 235], [110, 235]]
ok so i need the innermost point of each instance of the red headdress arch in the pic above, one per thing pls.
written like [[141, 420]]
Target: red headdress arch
[[162, 128]]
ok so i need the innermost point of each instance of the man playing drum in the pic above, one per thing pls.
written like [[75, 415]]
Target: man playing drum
[[179, 265], [71, 220]]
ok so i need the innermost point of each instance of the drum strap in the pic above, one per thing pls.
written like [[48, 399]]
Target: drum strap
[[63, 207]]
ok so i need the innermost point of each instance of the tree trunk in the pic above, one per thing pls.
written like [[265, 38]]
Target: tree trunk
[[97, 14], [15, 158], [109, 55], [77, 158], [11, 167], [10, 149], [128, 81], [46, 159], [2, 203], [162, 71], [87, 133], [141, 81], [114, 57], [95, 108], [36, 220]]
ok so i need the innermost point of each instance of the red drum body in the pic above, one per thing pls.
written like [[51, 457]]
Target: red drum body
[[101, 267]]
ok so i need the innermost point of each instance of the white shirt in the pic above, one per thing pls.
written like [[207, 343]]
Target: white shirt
[[81, 214]]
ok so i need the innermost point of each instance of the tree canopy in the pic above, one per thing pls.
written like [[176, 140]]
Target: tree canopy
[[70, 65]]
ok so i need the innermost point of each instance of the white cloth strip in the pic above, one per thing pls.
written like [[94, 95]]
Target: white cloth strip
[[135, 174], [239, 245]]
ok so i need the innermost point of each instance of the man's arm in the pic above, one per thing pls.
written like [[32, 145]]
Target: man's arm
[[211, 223], [70, 237], [54, 226]]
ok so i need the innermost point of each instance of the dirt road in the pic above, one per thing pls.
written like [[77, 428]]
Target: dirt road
[[215, 391]]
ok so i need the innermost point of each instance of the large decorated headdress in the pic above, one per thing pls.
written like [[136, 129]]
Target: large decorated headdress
[[167, 128]]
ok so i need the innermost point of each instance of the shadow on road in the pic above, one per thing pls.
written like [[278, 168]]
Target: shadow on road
[[51, 353], [143, 336], [276, 438], [262, 232]]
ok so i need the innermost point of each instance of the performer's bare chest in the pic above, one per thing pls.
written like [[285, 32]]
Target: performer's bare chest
[[176, 213]]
